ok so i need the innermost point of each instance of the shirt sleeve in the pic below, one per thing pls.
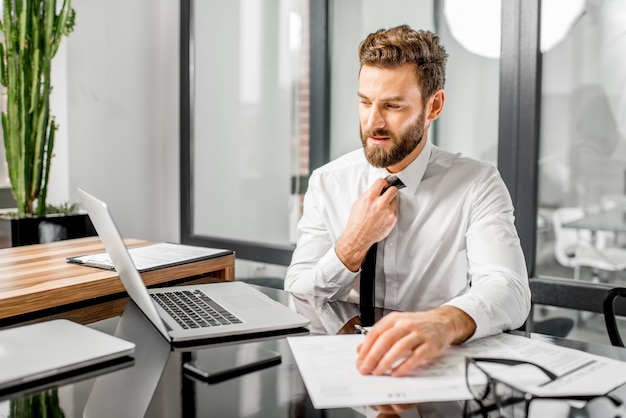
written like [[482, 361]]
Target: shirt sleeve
[[499, 294], [315, 268]]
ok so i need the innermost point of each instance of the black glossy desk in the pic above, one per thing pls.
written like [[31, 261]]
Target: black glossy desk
[[155, 386]]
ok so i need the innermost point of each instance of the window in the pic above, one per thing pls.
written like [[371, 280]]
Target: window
[[582, 162], [248, 97]]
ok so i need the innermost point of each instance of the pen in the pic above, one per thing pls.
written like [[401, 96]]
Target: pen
[[360, 330]]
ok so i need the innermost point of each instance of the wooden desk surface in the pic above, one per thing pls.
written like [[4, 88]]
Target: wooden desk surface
[[37, 282]]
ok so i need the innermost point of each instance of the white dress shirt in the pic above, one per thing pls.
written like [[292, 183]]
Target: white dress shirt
[[455, 243]]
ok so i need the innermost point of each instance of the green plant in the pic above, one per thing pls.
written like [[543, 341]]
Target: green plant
[[65, 208], [33, 30], [44, 404]]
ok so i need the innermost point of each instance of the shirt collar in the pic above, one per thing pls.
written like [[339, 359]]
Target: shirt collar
[[412, 175]]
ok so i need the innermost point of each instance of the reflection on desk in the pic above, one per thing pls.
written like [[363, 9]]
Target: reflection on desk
[[155, 386], [64, 379], [128, 393]]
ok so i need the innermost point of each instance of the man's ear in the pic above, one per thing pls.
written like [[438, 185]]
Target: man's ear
[[435, 105]]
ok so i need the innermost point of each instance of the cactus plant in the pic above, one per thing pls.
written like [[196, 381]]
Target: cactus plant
[[32, 30], [43, 404]]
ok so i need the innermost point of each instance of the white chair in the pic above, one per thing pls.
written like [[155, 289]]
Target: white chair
[[610, 202], [574, 248]]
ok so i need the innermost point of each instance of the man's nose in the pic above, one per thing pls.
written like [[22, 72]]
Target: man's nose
[[375, 119]]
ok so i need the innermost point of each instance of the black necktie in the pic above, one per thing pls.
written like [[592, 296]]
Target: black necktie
[[366, 295], [368, 272]]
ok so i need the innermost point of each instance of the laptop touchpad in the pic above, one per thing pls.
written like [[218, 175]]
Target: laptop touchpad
[[247, 301]]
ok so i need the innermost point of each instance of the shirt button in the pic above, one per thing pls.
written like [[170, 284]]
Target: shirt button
[[389, 281]]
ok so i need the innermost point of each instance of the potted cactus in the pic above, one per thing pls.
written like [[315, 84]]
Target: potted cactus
[[44, 404], [33, 30]]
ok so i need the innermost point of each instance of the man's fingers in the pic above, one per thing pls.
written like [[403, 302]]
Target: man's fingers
[[394, 409], [416, 357], [379, 328], [381, 188], [400, 342], [398, 354], [382, 348], [372, 350], [377, 187]]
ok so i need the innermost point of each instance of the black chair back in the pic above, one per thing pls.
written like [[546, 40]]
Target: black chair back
[[579, 295], [611, 310]]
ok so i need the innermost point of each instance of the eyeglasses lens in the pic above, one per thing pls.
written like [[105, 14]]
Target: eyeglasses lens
[[477, 381], [492, 398]]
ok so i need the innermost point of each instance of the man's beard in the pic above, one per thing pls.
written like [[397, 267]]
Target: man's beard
[[381, 156]]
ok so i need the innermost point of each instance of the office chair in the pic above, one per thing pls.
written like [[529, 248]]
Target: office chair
[[612, 201], [574, 248], [582, 296], [610, 312], [545, 295]]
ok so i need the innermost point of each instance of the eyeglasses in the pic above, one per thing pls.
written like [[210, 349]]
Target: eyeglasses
[[493, 395]]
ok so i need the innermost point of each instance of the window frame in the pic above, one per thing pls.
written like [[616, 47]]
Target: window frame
[[319, 128]]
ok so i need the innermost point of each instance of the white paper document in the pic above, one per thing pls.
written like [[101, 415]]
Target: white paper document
[[153, 256], [328, 367]]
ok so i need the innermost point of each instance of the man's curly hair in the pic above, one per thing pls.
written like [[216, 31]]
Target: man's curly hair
[[391, 48]]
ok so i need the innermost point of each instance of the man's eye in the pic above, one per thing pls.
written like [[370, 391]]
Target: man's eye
[[392, 106], [365, 103]]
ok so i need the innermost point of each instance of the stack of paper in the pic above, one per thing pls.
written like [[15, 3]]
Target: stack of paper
[[328, 367]]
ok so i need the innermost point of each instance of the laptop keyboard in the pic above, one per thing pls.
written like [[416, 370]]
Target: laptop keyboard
[[194, 309]]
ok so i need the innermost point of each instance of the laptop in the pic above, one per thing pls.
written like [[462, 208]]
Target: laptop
[[242, 310], [30, 354]]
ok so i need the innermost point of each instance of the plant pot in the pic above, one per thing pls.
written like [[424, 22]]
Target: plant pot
[[15, 232]]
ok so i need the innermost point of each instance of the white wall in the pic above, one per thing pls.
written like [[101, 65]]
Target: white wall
[[122, 112], [58, 186]]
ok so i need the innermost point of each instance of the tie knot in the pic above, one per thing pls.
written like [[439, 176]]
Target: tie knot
[[393, 180]]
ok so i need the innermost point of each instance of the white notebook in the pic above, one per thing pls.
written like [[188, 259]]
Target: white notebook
[[153, 256]]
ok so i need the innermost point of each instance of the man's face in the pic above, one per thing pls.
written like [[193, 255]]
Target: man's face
[[392, 118]]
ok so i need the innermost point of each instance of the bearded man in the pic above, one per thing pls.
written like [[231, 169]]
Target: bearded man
[[447, 262]]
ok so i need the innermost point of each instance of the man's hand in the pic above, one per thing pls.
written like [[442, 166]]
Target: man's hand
[[392, 411], [371, 219], [400, 341]]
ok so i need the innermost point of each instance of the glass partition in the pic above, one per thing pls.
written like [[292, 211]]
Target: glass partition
[[469, 122], [249, 127], [582, 163]]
